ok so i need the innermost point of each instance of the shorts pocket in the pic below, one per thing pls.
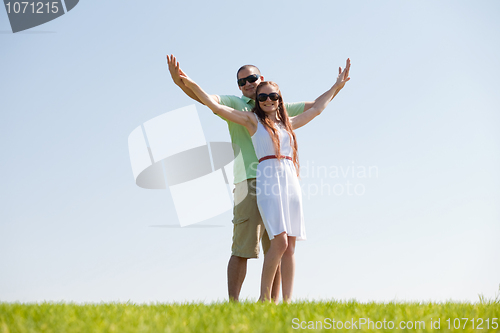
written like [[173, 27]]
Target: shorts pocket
[[240, 220]]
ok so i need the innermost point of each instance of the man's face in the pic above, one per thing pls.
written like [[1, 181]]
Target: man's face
[[249, 88]]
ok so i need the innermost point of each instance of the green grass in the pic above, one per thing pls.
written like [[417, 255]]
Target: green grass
[[242, 317]]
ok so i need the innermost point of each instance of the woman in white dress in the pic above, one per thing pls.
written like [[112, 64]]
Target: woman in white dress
[[278, 191]]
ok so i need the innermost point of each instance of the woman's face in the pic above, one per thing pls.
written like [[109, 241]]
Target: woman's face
[[268, 105]]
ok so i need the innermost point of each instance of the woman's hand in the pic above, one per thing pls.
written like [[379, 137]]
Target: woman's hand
[[322, 101], [186, 79], [343, 74]]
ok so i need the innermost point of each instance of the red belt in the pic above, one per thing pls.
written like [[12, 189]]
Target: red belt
[[268, 157]]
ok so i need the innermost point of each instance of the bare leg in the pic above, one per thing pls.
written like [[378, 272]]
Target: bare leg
[[271, 262], [275, 291], [236, 272], [288, 270]]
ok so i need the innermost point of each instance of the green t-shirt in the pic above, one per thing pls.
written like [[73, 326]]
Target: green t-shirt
[[245, 164]]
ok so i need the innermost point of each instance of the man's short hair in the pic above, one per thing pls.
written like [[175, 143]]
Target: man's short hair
[[247, 67]]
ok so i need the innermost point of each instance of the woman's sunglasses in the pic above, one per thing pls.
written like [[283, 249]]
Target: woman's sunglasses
[[273, 96], [251, 78]]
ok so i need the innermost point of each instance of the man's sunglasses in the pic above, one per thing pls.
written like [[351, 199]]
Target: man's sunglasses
[[251, 78], [273, 96]]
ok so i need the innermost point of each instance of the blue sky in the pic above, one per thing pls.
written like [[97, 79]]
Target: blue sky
[[422, 107]]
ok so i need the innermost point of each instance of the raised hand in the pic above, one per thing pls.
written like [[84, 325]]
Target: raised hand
[[173, 67], [344, 74], [176, 72]]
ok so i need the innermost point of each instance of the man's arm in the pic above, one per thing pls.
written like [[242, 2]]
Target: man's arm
[[308, 105], [246, 119], [175, 72]]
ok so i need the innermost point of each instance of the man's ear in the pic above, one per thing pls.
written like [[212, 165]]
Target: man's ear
[[261, 78]]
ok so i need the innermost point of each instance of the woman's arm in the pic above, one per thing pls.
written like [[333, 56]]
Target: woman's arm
[[243, 118], [323, 100]]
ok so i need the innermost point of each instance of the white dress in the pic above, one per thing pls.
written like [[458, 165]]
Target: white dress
[[279, 196]]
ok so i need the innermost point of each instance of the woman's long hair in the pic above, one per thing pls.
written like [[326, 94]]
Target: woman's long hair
[[271, 128]]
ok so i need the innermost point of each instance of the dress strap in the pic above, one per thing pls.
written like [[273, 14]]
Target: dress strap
[[256, 117]]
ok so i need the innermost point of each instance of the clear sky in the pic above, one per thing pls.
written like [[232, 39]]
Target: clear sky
[[421, 109]]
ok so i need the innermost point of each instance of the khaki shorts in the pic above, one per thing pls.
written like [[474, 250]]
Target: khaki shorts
[[248, 228]]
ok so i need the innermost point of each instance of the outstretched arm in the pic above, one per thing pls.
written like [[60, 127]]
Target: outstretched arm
[[175, 72], [246, 119], [323, 100], [308, 105]]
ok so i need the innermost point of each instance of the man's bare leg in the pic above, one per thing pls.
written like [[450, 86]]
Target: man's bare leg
[[236, 272]]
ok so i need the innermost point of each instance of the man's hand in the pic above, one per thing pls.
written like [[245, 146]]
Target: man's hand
[[173, 67], [176, 72]]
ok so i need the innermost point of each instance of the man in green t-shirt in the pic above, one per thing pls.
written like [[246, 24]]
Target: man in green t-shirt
[[248, 228]]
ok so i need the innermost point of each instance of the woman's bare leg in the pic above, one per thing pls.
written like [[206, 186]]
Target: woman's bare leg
[[288, 269], [271, 262], [275, 291]]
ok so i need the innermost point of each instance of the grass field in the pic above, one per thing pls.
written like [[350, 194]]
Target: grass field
[[327, 316]]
